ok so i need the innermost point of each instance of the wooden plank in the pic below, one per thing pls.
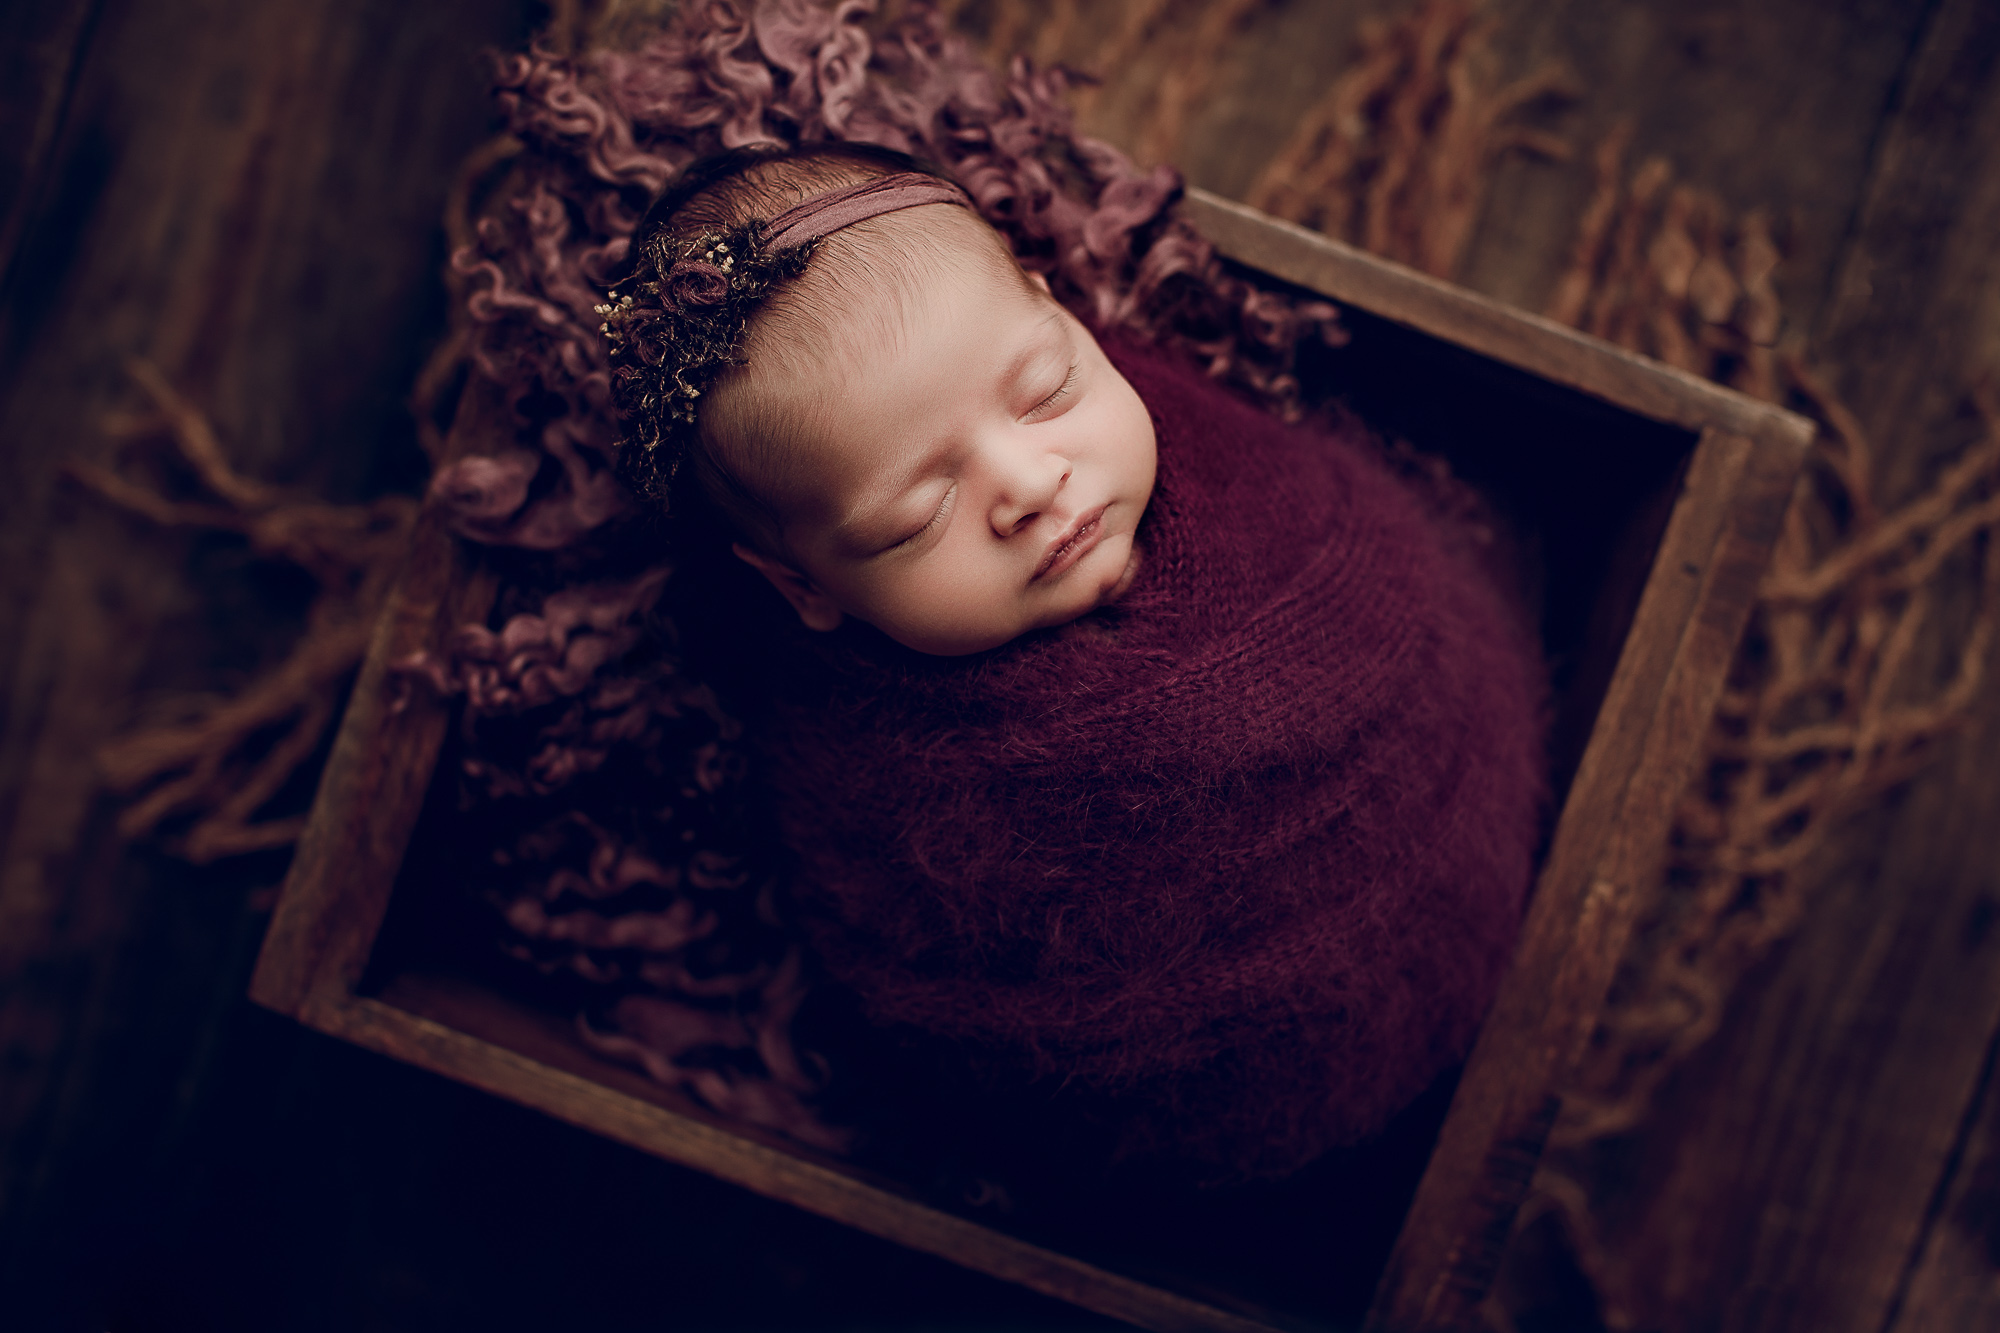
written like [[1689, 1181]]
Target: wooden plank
[[372, 791], [246, 195], [39, 63], [1610, 839], [785, 1176], [69, 908], [1773, 105], [1789, 1175], [1956, 1282], [281, 457], [1542, 347], [193, 244], [1915, 317]]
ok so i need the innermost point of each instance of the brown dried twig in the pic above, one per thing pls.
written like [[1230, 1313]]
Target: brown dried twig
[[1831, 706], [1398, 155], [224, 762], [1656, 267], [1856, 659]]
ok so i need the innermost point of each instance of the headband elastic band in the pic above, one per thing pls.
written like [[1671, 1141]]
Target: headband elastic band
[[679, 320], [829, 212]]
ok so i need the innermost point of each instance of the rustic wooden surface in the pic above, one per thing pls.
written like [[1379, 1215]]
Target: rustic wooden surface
[[1609, 843], [384, 753], [1542, 347], [183, 179], [536, 1078], [1795, 1175]]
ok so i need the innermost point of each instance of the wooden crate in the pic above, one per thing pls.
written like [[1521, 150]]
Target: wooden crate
[[1650, 499]]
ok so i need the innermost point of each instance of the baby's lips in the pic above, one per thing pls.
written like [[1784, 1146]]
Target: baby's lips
[[1072, 543]]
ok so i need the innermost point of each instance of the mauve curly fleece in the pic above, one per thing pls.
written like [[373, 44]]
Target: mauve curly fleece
[[1246, 853]]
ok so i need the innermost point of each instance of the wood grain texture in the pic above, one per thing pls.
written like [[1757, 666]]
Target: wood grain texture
[[1915, 315], [1773, 106], [1257, 81], [38, 69], [1789, 1177], [1788, 1180], [372, 791], [1955, 1283], [246, 195], [1836, 1099], [1609, 841], [1542, 347], [787, 1175]]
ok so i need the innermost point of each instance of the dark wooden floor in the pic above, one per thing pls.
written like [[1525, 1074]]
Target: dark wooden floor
[[246, 193]]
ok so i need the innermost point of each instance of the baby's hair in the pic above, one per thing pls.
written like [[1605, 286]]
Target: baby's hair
[[865, 271]]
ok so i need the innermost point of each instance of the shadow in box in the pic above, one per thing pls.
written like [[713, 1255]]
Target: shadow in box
[[1583, 488]]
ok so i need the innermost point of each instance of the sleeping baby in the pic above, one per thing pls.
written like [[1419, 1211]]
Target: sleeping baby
[[1127, 740]]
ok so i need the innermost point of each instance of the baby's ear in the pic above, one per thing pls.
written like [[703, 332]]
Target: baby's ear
[[815, 608]]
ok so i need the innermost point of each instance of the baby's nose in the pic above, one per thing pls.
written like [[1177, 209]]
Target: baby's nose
[[1026, 491]]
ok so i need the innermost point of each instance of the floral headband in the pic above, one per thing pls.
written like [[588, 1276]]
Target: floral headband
[[677, 322]]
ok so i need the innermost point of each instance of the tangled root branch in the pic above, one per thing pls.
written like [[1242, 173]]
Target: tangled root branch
[[1833, 703], [1857, 657], [1660, 268], [222, 764], [1398, 155]]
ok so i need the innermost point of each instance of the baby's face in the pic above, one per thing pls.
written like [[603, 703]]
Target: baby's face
[[977, 477]]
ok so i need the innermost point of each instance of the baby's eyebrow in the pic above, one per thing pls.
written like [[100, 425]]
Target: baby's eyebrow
[[1034, 348]]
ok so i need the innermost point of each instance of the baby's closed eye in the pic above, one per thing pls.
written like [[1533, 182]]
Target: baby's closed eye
[[937, 520], [1060, 397]]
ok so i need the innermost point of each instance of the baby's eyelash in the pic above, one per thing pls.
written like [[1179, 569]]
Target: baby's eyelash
[[1062, 391]]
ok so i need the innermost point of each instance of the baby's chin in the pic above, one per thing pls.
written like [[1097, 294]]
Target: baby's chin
[[1124, 581], [1108, 571], [1118, 574]]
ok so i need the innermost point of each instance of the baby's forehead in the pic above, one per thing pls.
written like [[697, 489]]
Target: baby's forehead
[[939, 250], [875, 298], [874, 290]]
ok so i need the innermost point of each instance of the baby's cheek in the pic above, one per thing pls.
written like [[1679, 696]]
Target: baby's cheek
[[957, 604]]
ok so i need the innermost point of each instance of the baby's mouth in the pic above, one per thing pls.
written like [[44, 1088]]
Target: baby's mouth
[[1072, 545]]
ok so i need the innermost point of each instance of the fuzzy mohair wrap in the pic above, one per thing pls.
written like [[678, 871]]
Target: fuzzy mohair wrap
[[1243, 855]]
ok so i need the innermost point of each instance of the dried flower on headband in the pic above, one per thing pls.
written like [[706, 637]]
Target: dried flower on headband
[[677, 323], [673, 327]]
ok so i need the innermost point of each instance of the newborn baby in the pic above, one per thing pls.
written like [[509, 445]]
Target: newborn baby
[[919, 436], [1127, 739]]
